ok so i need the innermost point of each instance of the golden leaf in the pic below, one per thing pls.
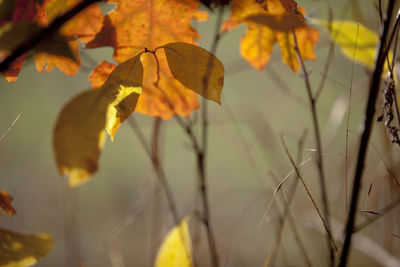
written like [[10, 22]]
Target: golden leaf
[[193, 66], [19, 250], [175, 250], [79, 131]]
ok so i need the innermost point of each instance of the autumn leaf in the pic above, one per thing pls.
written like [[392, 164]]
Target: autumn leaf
[[20, 250], [82, 27], [100, 74], [344, 34], [176, 248], [10, 39], [193, 66], [24, 10], [5, 203], [270, 22], [133, 26], [79, 132]]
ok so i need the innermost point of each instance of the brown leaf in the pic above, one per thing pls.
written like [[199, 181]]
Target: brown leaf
[[5, 203]]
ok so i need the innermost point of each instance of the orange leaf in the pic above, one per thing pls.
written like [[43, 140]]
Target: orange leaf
[[46, 61], [11, 74], [83, 26], [257, 45], [5, 203], [135, 25], [100, 74], [269, 22]]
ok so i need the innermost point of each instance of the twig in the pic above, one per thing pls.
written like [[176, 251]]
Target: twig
[[378, 214], [11, 126], [330, 53], [30, 43], [367, 126], [158, 170], [324, 221], [201, 154], [287, 200], [317, 134], [347, 125]]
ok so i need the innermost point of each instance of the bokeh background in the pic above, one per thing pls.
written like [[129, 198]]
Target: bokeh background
[[245, 152]]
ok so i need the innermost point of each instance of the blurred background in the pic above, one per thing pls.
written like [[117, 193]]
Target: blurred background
[[122, 212]]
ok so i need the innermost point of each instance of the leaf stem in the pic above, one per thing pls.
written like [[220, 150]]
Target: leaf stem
[[366, 132]]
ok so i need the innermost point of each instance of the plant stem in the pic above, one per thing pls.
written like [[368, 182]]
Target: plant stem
[[367, 126], [157, 166], [318, 142], [45, 33], [201, 154]]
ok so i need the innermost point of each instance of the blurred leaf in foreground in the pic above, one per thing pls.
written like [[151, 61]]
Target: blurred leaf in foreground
[[270, 22], [344, 34], [79, 132], [19, 250], [176, 249]]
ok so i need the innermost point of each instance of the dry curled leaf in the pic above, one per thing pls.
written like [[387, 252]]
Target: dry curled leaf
[[5, 203], [79, 132]]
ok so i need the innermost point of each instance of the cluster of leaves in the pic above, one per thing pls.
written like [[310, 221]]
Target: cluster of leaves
[[159, 71], [150, 83]]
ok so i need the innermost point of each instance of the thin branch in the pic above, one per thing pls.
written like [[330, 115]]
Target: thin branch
[[11, 126], [378, 214], [317, 134], [287, 200], [201, 154], [367, 126], [53, 28], [347, 125], [324, 221], [157, 166]]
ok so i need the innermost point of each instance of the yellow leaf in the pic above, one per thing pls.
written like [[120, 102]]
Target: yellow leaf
[[344, 34], [79, 131], [269, 22], [19, 250], [193, 66], [176, 249], [257, 45]]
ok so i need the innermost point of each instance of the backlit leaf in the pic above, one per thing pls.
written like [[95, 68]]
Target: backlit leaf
[[175, 250], [100, 74], [79, 131], [5, 203], [135, 25], [344, 34], [20, 250], [268, 22], [193, 66]]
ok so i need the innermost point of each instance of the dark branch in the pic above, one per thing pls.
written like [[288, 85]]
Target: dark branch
[[368, 119], [53, 28]]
